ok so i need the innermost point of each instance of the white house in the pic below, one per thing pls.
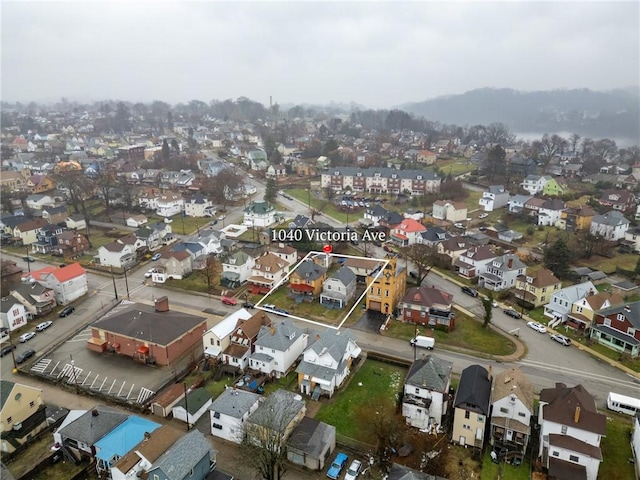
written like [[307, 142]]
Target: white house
[[496, 197], [68, 283], [501, 273], [611, 226], [474, 261], [339, 288], [632, 239], [199, 206], [426, 392], [449, 210], [217, 338], [327, 362], [193, 406], [236, 269], [229, 411], [76, 222], [12, 313], [38, 201], [570, 432], [212, 241], [516, 203], [561, 302], [136, 221], [169, 204], [116, 255], [259, 214], [550, 213], [277, 348], [407, 232], [533, 184]]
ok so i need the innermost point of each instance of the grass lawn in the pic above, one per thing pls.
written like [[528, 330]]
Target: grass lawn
[[492, 471], [633, 364], [343, 409], [467, 332], [608, 265], [325, 206], [196, 282], [472, 200], [456, 166], [616, 449], [312, 310]]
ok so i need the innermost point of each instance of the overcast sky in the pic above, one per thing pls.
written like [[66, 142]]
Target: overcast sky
[[377, 54]]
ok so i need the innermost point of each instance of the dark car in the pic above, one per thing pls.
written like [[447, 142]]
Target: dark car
[[67, 311], [25, 355], [470, 291], [512, 313], [281, 311], [413, 274], [248, 305], [6, 350], [28, 259]]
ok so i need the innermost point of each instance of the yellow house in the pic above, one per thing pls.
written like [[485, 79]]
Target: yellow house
[[576, 218], [387, 290], [536, 288], [22, 415], [584, 310], [308, 278]]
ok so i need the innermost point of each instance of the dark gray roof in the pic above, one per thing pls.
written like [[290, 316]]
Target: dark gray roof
[[195, 400], [435, 234], [137, 320], [631, 311], [377, 210], [189, 449], [611, 218], [234, 402], [27, 289], [384, 172], [311, 437], [430, 372], [93, 425], [7, 303], [345, 275], [280, 336], [278, 410], [309, 270], [474, 390], [301, 221], [393, 218]]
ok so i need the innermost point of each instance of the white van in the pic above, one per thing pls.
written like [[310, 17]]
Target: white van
[[423, 342]]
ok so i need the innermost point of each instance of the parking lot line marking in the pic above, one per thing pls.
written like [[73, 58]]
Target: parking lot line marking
[[114, 382], [131, 390], [87, 377], [100, 389]]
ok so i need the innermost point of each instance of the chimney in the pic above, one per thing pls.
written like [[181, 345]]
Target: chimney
[[147, 435], [95, 413], [162, 304], [576, 415], [273, 330], [627, 308], [510, 262], [490, 375]]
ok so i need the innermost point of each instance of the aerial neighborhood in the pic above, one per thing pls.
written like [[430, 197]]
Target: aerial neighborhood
[[236, 290]]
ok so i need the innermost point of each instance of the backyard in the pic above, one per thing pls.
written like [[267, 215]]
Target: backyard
[[616, 449]]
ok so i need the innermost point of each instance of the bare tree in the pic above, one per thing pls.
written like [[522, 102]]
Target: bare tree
[[574, 140], [106, 182], [224, 186], [548, 147], [212, 268], [423, 257]]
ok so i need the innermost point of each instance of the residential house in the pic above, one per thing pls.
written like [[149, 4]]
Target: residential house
[[576, 218], [611, 226], [474, 261], [427, 306], [533, 184], [197, 459], [501, 273], [259, 214], [326, 362], [236, 269], [433, 236], [46, 239], [311, 443], [68, 282], [471, 407], [307, 279], [71, 244], [13, 180], [426, 157], [218, 338], [120, 440], [536, 288], [199, 206], [9, 222], [169, 204], [584, 310], [618, 328], [450, 211], [561, 302], [214, 241], [520, 165], [516, 203], [116, 254], [453, 247], [148, 199], [375, 213], [391, 220], [407, 232], [632, 239], [38, 300], [276, 171], [243, 339], [22, 414], [426, 392], [13, 315], [164, 401], [550, 212], [339, 288], [386, 287], [176, 265], [76, 222], [570, 432], [301, 221], [127, 331], [55, 215], [380, 180], [555, 188], [496, 197], [257, 160], [620, 200], [532, 206], [38, 201], [512, 398], [136, 221], [229, 411], [27, 231], [362, 267], [268, 271], [193, 406], [277, 348]]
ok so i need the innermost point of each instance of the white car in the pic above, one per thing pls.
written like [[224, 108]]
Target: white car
[[222, 217], [459, 225], [250, 175], [538, 327], [353, 471], [483, 215], [150, 272], [561, 339], [44, 325], [25, 337]]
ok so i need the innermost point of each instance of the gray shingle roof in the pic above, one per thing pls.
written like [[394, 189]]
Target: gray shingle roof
[[311, 436], [309, 270], [189, 450], [384, 172], [93, 425], [430, 372], [280, 336], [611, 218], [278, 409], [195, 400], [234, 403], [345, 275]]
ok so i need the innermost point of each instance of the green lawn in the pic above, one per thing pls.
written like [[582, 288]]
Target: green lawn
[[608, 265], [492, 471], [616, 449], [325, 206], [468, 334], [456, 166], [342, 410]]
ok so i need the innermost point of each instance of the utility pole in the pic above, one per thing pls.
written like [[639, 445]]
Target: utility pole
[[126, 283], [113, 279], [186, 405], [28, 259]]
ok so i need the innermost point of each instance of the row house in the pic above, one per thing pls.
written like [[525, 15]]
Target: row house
[[381, 180], [618, 328], [496, 197], [427, 306], [536, 288], [473, 262], [471, 407], [611, 226], [243, 338], [501, 273]]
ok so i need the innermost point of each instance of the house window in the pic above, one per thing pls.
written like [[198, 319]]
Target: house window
[[556, 453], [481, 418], [573, 458], [156, 477], [607, 322], [504, 410], [564, 429], [620, 317], [191, 472], [631, 331], [9, 419], [466, 414], [31, 404], [522, 414], [417, 391]]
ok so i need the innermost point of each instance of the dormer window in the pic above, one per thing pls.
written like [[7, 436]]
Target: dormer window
[[394, 175], [336, 173], [359, 174], [419, 177], [620, 317], [376, 175]]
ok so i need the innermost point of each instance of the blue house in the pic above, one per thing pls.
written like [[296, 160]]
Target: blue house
[[197, 460]]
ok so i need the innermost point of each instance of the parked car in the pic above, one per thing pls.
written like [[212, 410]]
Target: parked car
[[25, 355], [337, 465], [150, 272], [413, 274], [483, 215], [43, 326], [248, 305], [459, 225], [470, 291], [561, 339], [222, 217], [6, 350], [229, 301], [25, 337], [67, 311], [512, 313], [281, 311], [388, 249], [494, 304], [269, 306], [538, 327], [28, 259], [353, 471], [156, 256]]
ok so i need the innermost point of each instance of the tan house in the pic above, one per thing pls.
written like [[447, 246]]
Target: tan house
[[583, 311], [22, 415], [27, 231], [471, 407], [426, 157], [536, 288], [308, 279], [40, 183], [13, 180], [268, 270], [175, 265]]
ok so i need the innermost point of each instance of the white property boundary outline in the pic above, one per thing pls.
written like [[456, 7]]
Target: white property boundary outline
[[313, 254]]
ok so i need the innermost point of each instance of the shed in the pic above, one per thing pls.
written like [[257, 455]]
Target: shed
[[196, 404]]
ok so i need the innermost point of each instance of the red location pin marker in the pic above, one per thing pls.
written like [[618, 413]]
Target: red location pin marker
[[327, 249]]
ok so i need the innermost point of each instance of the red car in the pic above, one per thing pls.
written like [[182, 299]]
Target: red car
[[388, 249], [229, 300]]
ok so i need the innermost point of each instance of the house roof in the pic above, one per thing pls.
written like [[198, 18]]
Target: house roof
[[190, 449], [140, 321], [309, 270], [278, 409], [7, 303], [180, 256], [30, 225], [430, 372], [228, 324], [196, 398], [279, 336], [114, 246], [344, 274], [631, 312], [362, 263], [5, 391], [259, 208], [311, 437], [169, 395], [93, 425], [562, 403], [540, 278], [612, 218], [234, 402], [481, 252], [474, 390], [503, 262], [427, 296], [269, 262], [410, 225], [435, 234], [571, 443], [124, 437], [150, 447], [513, 382]]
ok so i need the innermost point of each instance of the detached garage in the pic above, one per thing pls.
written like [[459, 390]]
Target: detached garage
[[193, 406]]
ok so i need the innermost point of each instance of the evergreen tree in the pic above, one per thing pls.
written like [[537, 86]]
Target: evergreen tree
[[557, 258], [271, 191]]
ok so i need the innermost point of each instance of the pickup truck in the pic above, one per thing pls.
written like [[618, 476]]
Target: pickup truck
[[337, 466]]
